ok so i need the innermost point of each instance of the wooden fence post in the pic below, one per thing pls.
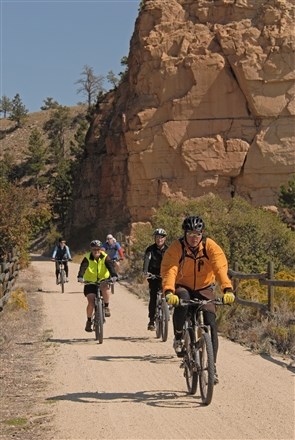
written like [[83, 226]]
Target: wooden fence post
[[270, 275]]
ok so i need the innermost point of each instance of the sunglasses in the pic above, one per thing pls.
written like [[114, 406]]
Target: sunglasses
[[194, 234]]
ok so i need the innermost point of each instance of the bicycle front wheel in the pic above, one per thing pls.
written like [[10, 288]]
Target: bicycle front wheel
[[98, 322], [190, 361], [62, 277], [158, 321], [207, 368], [165, 319]]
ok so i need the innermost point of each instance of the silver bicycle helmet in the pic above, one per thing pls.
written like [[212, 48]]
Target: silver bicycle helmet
[[160, 231], [95, 243], [193, 223]]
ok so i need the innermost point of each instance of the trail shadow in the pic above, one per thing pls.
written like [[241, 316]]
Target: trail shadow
[[72, 340], [289, 365], [129, 338], [34, 257], [153, 359], [164, 399]]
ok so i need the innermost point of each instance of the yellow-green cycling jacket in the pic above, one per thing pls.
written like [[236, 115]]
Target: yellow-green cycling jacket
[[181, 267], [93, 270]]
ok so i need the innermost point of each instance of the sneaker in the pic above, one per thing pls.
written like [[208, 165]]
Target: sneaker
[[57, 282], [151, 326], [178, 347], [88, 326], [66, 280], [216, 380], [107, 312]]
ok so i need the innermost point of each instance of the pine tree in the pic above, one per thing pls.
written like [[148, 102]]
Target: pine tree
[[36, 156], [5, 105], [18, 112]]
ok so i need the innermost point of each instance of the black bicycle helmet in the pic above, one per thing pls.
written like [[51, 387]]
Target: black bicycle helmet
[[95, 243], [193, 223], [160, 231]]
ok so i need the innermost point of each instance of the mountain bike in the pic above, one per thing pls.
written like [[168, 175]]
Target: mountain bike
[[61, 274], [162, 315], [98, 317], [198, 359]]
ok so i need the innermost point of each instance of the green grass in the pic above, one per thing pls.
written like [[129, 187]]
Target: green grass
[[18, 421]]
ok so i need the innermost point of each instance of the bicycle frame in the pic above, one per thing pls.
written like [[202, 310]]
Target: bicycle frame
[[162, 315], [198, 360], [98, 317], [61, 274]]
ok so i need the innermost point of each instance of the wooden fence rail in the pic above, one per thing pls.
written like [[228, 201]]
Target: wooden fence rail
[[9, 269], [265, 279]]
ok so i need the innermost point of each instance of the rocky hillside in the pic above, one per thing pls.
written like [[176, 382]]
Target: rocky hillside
[[207, 106], [16, 140]]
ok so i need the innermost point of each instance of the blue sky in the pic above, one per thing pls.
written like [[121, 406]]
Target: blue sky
[[46, 44]]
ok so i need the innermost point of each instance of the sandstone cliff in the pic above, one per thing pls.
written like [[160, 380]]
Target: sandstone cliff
[[207, 106]]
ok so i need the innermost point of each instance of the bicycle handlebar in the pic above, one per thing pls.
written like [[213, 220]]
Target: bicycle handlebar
[[151, 276], [98, 283], [201, 302]]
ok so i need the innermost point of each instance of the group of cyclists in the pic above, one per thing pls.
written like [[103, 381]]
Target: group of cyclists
[[187, 269]]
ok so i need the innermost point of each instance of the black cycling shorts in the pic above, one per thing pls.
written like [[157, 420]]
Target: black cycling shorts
[[90, 288]]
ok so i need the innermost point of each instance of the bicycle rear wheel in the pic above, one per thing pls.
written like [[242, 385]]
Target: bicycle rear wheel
[[207, 368], [62, 278], [164, 321], [190, 364], [98, 322]]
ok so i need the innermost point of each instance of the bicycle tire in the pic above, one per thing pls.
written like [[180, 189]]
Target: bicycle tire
[[190, 361], [62, 277], [158, 321], [112, 288], [206, 368], [164, 321], [98, 322]]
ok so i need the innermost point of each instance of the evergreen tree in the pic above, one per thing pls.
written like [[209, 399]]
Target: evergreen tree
[[18, 111], [5, 105], [56, 128], [61, 192], [112, 79], [36, 156], [49, 103]]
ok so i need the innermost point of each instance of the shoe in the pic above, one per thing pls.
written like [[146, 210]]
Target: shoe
[[107, 312], [66, 280], [151, 326], [57, 282], [178, 347], [216, 380], [88, 327]]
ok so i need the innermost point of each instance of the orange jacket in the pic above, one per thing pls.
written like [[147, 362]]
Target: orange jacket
[[195, 272]]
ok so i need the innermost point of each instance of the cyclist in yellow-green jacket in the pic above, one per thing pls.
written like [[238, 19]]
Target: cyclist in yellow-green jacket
[[190, 267], [96, 266]]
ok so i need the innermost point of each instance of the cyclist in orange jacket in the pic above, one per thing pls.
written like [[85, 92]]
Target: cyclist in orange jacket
[[189, 269]]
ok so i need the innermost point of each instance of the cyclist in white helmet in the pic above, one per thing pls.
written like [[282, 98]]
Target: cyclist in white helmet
[[152, 262]]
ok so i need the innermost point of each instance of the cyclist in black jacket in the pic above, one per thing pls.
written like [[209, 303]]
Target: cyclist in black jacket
[[152, 264]]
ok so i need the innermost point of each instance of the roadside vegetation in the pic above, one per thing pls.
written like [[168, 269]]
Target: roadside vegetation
[[251, 237]]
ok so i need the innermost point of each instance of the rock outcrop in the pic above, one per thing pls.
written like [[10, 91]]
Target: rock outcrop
[[207, 105]]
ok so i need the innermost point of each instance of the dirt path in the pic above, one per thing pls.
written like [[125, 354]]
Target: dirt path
[[131, 386]]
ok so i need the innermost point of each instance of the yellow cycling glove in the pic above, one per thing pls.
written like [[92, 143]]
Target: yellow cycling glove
[[228, 297], [171, 298]]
